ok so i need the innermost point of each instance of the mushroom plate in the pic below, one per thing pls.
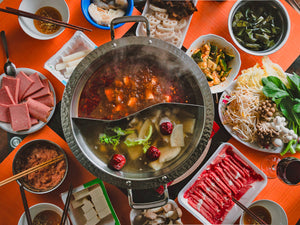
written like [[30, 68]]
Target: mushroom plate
[[253, 145]]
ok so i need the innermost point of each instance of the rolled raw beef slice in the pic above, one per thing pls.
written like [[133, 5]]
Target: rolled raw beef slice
[[38, 110], [47, 100]]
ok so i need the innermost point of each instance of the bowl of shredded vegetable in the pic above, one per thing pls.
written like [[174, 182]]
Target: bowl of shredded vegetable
[[259, 27]]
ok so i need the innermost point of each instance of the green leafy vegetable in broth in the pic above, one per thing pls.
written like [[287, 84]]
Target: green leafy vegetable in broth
[[255, 27], [286, 98], [114, 139], [145, 141]]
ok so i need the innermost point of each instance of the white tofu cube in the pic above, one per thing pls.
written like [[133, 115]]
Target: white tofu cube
[[77, 203], [81, 194], [90, 214], [87, 206], [93, 221]]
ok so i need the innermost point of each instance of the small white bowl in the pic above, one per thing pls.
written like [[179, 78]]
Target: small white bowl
[[235, 64], [278, 215], [32, 6], [36, 209], [281, 14]]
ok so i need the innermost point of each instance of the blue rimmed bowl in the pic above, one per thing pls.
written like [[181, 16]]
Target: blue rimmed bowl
[[84, 8]]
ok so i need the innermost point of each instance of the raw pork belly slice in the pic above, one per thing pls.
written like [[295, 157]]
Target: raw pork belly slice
[[36, 86], [47, 100], [42, 92], [25, 83], [19, 116], [13, 84], [38, 110], [4, 113], [6, 96]]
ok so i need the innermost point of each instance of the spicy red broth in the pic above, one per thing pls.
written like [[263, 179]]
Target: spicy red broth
[[113, 92]]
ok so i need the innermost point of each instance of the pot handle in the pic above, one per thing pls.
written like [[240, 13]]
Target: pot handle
[[127, 19], [148, 205]]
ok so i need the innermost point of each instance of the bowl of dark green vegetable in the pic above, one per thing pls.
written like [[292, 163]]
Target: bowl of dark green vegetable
[[259, 27]]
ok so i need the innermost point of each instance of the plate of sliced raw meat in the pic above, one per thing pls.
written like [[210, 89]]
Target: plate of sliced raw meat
[[228, 173], [27, 101]]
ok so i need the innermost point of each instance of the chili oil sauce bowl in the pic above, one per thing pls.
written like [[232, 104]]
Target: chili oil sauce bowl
[[45, 179], [270, 37], [42, 207], [33, 6], [271, 212]]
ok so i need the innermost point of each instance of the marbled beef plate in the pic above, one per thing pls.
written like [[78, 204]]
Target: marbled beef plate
[[226, 174]]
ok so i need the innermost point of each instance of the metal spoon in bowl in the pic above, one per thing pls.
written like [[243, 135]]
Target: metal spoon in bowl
[[9, 67]]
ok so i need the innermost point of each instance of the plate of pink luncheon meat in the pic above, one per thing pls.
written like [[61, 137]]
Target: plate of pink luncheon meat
[[27, 101]]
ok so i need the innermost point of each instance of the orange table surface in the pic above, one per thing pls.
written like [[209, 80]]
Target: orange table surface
[[25, 51]]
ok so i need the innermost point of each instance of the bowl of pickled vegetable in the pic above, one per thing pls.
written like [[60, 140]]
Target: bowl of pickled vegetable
[[217, 58], [259, 27]]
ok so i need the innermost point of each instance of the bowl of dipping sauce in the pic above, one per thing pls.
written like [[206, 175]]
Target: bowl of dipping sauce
[[47, 178], [55, 9], [44, 213], [99, 13], [269, 211], [259, 27]]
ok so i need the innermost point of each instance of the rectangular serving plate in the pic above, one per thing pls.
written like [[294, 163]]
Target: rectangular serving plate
[[71, 212], [246, 199], [146, 10], [78, 42]]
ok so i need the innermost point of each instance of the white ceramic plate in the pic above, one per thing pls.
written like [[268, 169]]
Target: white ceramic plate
[[40, 125], [78, 42], [253, 145], [246, 199], [235, 64], [76, 215]]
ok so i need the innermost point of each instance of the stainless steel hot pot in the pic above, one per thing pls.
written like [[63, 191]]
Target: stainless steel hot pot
[[172, 59]]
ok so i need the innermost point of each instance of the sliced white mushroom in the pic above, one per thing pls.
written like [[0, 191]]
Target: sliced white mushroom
[[178, 222], [167, 207], [150, 215], [171, 215], [179, 212], [157, 209]]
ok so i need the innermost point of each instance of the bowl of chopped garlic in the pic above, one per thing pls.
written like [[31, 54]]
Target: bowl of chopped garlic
[[101, 12]]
